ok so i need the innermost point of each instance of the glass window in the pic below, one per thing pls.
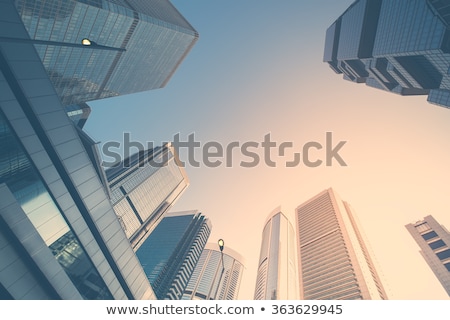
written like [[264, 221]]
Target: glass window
[[444, 254], [437, 244], [429, 235]]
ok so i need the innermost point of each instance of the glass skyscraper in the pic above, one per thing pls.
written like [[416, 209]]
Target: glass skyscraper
[[217, 275], [59, 235], [434, 242], [143, 188], [172, 250], [277, 277], [401, 46], [136, 44], [334, 261]]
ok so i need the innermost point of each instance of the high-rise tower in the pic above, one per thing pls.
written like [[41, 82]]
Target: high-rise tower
[[434, 242], [171, 252], [143, 188], [334, 261], [135, 45], [277, 268], [401, 46]]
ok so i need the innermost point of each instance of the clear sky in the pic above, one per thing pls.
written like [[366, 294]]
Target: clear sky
[[257, 69]]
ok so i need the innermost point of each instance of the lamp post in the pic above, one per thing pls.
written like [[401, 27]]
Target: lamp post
[[84, 43], [221, 244]]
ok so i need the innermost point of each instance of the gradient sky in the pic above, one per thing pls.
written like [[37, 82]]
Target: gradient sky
[[256, 69]]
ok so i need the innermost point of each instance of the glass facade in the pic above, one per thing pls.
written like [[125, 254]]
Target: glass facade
[[19, 175], [334, 263], [351, 29], [217, 275], [153, 34], [277, 268], [172, 250], [434, 242], [401, 46], [143, 188]]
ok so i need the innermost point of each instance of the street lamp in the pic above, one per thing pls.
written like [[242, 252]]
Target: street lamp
[[221, 244]]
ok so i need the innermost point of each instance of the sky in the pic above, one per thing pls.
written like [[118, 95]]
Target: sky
[[257, 69]]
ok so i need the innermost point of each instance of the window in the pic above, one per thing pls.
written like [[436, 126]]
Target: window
[[429, 235], [444, 254], [437, 244]]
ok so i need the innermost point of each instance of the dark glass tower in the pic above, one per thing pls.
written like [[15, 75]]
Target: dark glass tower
[[400, 46], [171, 252], [136, 45]]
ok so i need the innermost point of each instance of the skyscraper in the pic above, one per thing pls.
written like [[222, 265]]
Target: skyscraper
[[434, 242], [136, 45], [94, 49], [171, 252], [334, 261], [401, 46], [277, 277], [217, 275], [143, 188], [59, 235]]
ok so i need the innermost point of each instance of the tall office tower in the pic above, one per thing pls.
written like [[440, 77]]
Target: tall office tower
[[143, 188], [434, 242], [172, 250], [59, 235], [334, 261], [217, 275], [135, 45], [277, 277], [401, 46]]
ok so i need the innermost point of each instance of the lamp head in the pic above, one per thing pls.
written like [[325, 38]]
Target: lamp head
[[221, 244], [86, 42]]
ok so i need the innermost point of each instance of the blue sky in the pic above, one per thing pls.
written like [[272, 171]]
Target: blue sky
[[257, 69]]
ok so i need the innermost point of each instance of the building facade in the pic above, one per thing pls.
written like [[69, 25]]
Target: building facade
[[217, 275], [277, 277], [172, 250], [434, 242], [59, 235], [143, 188], [400, 46], [136, 45], [334, 261]]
